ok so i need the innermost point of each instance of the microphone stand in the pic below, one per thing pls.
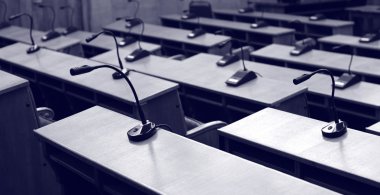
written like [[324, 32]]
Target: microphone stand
[[346, 79], [133, 23], [338, 127], [34, 47], [70, 28], [52, 33], [140, 52], [247, 9], [141, 132], [197, 31], [260, 22], [115, 75]]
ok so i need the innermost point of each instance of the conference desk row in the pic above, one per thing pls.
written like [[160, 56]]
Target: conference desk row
[[238, 30], [294, 145], [301, 24], [206, 96], [94, 156], [366, 16]]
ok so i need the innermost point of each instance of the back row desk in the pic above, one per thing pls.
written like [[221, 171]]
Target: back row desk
[[305, 27], [206, 95], [294, 144], [363, 49], [357, 102], [366, 17], [51, 69], [15, 34], [239, 30], [367, 68], [94, 156], [172, 38]]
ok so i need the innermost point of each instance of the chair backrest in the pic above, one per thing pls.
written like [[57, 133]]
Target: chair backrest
[[201, 8]]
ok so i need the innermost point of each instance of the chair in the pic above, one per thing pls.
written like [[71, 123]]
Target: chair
[[45, 116], [205, 133], [201, 9]]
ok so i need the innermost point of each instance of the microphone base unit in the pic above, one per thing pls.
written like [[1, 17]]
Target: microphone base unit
[[126, 41], [317, 17], [137, 55], [300, 51], [188, 16], [131, 23], [227, 60], [370, 37], [196, 33], [334, 130], [69, 30], [50, 35], [117, 75], [259, 24], [142, 132], [4, 25], [245, 10], [241, 77], [32, 49], [346, 80]]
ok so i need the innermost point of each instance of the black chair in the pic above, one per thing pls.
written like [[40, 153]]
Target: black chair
[[201, 9]]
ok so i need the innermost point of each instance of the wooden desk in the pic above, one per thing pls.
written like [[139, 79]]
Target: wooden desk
[[306, 27], [363, 49], [22, 170], [356, 103], [239, 30], [105, 43], [172, 38], [365, 18], [367, 68], [294, 144], [374, 129], [208, 97], [15, 34], [96, 152], [51, 70]]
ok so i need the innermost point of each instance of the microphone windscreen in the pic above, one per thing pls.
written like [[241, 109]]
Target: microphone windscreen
[[301, 79], [80, 70]]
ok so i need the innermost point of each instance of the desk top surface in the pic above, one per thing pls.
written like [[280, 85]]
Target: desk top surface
[[349, 40], [58, 64], [264, 91], [322, 59], [107, 41], [9, 82], [365, 9], [155, 165], [167, 33], [269, 30], [20, 34], [363, 92], [374, 127], [287, 17], [300, 138]]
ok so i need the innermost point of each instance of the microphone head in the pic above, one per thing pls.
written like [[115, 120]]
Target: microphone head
[[92, 37], [81, 70], [301, 79], [15, 16]]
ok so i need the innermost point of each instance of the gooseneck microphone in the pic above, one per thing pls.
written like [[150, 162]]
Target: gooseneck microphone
[[338, 127], [139, 133], [115, 75], [140, 52], [241, 76], [70, 28], [133, 23], [303, 46], [197, 31], [4, 22], [52, 33], [260, 23], [247, 9], [346, 79], [128, 39], [34, 47]]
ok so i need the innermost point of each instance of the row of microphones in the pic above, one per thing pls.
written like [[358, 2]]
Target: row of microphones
[[347, 79], [52, 33], [141, 132], [34, 47], [248, 9], [4, 22], [338, 127], [303, 46]]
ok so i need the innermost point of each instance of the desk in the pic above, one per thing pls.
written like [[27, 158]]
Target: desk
[[359, 103], [239, 30], [96, 151], [365, 17], [367, 68], [14, 34], [306, 27], [172, 38], [105, 43], [294, 144], [374, 129], [363, 49], [50, 69], [21, 161], [207, 96]]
